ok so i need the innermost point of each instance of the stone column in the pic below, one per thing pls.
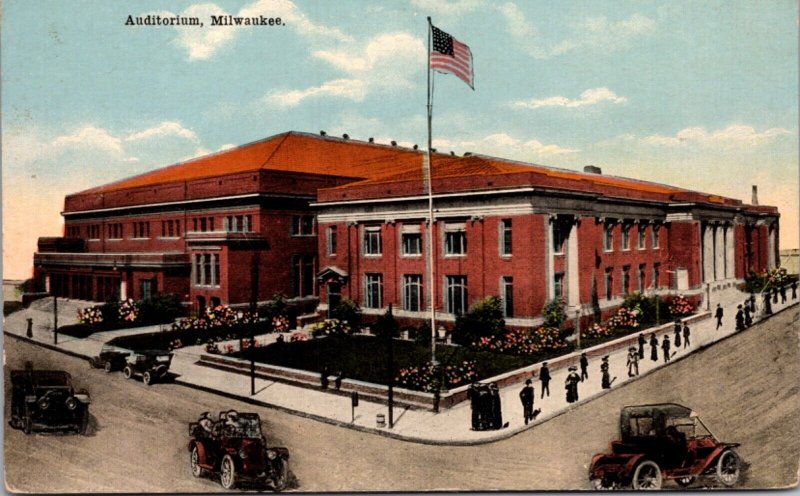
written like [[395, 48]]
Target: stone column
[[708, 253], [548, 251], [573, 273], [123, 289], [730, 253], [47, 283], [719, 253], [771, 248]]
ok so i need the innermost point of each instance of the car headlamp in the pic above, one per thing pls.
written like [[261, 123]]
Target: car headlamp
[[272, 454], [43, 403], [71, 403], [242, 454]]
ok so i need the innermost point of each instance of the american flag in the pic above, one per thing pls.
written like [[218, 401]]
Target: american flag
[[451, 56]]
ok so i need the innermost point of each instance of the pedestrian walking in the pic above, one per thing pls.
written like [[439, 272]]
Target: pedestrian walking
[[653, 347], [739, 318], [605, 381], [783, 293], [748, 317], [496, 409], [767, 304], [642, 342], [526, 397], [677, 330], [794, 289], [544, 377], [584, 367], [686, 334], [571, 384], [665, 347], [633, 361], [718, 316], [752, 303]]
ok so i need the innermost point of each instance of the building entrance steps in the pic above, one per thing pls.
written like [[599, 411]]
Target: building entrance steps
[[450, 426]]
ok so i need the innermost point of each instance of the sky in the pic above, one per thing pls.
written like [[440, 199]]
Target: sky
[[697, 94]]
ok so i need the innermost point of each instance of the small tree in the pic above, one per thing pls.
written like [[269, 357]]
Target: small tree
[[554, 313], [484, 318], [348, 311]]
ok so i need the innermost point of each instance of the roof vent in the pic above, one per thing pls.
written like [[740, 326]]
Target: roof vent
[[394, 143], [592, 169], [433, 150], [346, 136], [416, 146], [452, 153], [372, 140], [322, 133], [467, 154], [754, 200]]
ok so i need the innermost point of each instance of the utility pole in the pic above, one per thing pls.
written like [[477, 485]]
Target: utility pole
[[390, 333], [55, 319], [254, 271]]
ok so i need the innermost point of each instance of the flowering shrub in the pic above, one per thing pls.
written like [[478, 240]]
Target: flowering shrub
[[128, 310], [777, 276], [212, 348], [221, 316], [522, 342], [597, 331], [680, 306], [298, 336], [624, 318], [280, 324], [331, 327], [90, 315], [424, 378]]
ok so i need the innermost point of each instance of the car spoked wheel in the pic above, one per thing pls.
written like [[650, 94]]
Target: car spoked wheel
[[647, 476], [194, 459], [603, 484], [281, 477], [108, 366], [684, 481], [127, 372], [728, 468], [147, 378], [227, 472]]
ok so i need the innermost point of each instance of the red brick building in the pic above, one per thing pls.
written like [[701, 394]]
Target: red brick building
[[309, 215]]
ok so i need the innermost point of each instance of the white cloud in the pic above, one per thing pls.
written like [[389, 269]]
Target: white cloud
[[388, 61], [166, 128], [203, 43], [514, 146], [448, 8], [597, 33], [732, 136], [591, 96], [226, 146], [90, 137]]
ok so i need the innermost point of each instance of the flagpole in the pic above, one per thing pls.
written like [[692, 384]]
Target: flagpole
[[427, 173]]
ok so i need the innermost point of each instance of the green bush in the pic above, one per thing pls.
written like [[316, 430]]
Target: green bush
[[554, 313], [386, 325], [349, 312], [484, 319], [28, 286]]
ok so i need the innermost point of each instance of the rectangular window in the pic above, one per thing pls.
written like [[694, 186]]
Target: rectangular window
[[303, 225], [456, 294], [412, 292], [373, 290], [558, 285], [626, 237], [208, 270], [203, 224], [411, 241], [559, 236], [331, 241], [197, 267], [177, 228], [609, 283], [505, 237], [455, 238], [215, 270], [115, 231], [655, 281], [626, 279], [655, 236], [642, 237], [640, 279], [608, 237], [372, 240], [301, 269], [507, 295]]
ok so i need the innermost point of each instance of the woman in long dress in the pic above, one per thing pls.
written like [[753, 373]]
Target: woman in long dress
[[653, 348], [571, 384]]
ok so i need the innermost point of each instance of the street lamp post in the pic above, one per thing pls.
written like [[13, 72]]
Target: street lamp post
[[578, 324], [55, 319]]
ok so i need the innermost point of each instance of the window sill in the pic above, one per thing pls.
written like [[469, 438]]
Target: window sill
[[296, 235], [169, 237], [455, 255], [373, 255], [411, 255], [205, 286]]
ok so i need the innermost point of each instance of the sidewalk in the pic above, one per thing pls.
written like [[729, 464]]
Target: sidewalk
[[450, 427]]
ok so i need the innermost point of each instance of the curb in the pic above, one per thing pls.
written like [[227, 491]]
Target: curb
[[401, 437]]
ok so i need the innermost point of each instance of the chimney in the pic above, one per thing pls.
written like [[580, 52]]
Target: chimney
[[322, 133], [754, 201], [592, 169]]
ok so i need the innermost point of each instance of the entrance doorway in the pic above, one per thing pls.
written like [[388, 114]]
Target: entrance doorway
[[334, 297]]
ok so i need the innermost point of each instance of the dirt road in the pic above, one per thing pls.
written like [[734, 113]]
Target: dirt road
[[745, 388]]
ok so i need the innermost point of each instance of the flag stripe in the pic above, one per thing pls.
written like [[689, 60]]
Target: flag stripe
[[451, 56]]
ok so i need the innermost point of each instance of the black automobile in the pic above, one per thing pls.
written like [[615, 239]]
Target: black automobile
[[111, 358], [152, 365], [45, 400]]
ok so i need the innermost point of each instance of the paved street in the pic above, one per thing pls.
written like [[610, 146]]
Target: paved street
[[744, 388]]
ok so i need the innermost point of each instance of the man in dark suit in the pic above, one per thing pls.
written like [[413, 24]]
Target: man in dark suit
[[642, 342], [544, 376], [584, 367], [686, 334], [718, 316], [526, 397], [665, 347]]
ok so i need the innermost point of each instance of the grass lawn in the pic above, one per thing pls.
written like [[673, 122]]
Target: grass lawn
[[365, 358]]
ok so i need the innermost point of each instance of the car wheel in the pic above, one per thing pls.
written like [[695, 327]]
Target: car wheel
[[194, 459], [728, 468], [147, 378], [281, 475], [108, 366], [227, 472], [647, 476], [27, 423], [603, 484], [127, 372]]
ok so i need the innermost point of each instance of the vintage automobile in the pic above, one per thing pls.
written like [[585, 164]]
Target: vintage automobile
[[152, 365], [44, 400], [663, 442], [111, 358], [234, 448]]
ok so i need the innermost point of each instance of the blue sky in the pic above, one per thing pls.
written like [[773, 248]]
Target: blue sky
[[696, 94]]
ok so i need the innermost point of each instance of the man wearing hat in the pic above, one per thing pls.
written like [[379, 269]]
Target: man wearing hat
[[718, 316], [642, 342], [571, 384], [748, 317], [526, 397], [544, 376], [686, 334], [665, 347], [584, 367], [633, 361], [605, 382]]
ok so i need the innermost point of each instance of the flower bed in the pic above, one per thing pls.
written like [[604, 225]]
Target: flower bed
[[161, 309], [428, 378], [523, 342]]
